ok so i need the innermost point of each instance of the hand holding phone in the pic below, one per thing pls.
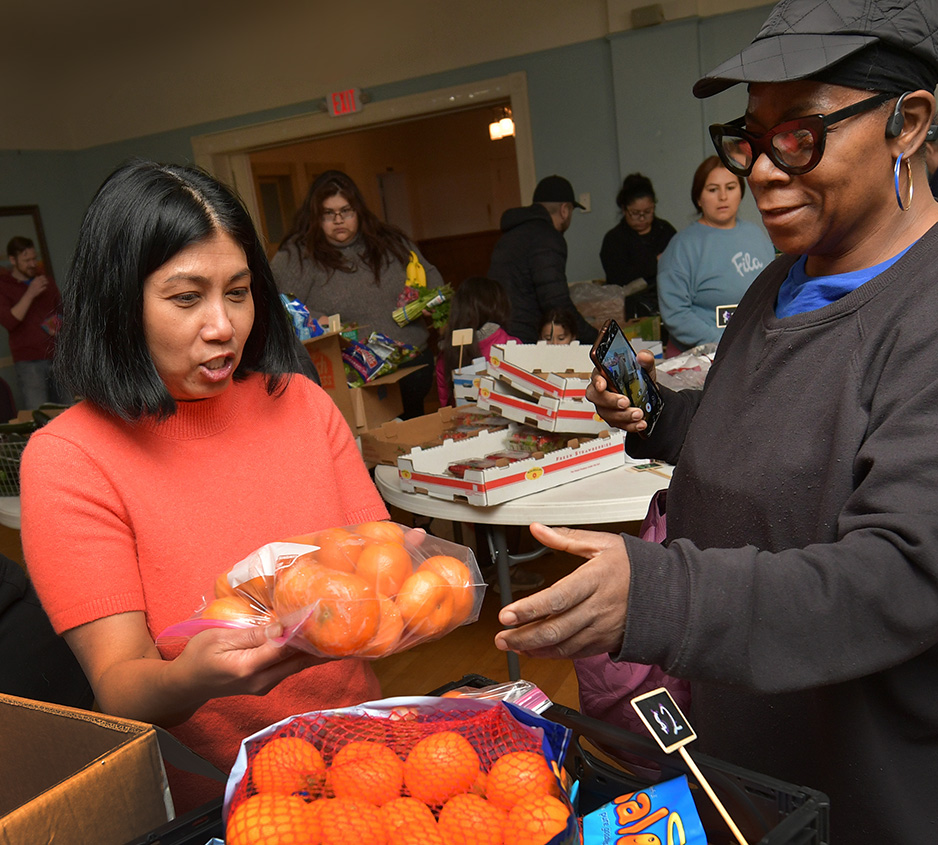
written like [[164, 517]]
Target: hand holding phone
[[616, 360]]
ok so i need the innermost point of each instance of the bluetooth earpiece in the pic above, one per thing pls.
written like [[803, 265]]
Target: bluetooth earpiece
[[932, 135], [896, 119]]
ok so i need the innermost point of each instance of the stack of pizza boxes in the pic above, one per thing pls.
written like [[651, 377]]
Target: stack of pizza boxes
[[555, 435]]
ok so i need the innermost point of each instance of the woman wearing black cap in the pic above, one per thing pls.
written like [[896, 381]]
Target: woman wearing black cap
[[798, 589]]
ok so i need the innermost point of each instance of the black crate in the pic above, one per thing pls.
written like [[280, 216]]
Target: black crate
[[767, 811], [194, 828]]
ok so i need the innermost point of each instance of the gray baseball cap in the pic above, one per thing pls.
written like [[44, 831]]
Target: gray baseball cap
[[802, 37]]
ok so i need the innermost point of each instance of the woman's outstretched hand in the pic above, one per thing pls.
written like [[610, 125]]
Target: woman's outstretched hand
[[615, 408], [580, 615]]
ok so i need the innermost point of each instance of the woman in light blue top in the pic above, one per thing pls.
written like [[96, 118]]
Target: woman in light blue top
[[707, 268]]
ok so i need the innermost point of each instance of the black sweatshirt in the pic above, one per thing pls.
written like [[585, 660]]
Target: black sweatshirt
[[799, 587]]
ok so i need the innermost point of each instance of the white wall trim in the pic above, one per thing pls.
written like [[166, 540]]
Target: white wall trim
[[224, 154]]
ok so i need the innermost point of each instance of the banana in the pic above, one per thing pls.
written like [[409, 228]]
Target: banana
[[416, 275], [411, 278]]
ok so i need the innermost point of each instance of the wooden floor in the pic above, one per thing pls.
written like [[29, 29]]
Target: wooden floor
[[471, 648]]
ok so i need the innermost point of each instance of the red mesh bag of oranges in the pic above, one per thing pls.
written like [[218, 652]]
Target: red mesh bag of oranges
[[364, 591], [403, 770]]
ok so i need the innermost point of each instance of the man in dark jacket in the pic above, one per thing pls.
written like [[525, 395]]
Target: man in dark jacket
[[530, 260]]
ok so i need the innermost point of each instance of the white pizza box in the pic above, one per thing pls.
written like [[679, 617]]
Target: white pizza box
[[543, 369], [425, 470], [556, 370], [466, 381], [574, 416]]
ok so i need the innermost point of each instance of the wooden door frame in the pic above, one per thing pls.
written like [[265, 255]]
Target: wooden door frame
[[227, 154]]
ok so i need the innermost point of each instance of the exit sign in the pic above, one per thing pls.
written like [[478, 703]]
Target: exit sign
[[344, 102]]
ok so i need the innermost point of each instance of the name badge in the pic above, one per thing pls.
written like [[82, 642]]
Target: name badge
[[723, 313]]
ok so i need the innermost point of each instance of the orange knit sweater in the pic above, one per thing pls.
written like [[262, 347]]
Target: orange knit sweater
[[119, 517]]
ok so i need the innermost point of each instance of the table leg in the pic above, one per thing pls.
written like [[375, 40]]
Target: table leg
[[502, 567]]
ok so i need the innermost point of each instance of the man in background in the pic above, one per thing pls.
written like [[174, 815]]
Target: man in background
[[530, 260], [29, 310]]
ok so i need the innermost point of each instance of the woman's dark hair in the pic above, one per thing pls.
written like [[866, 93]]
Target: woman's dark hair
[[635, 186], [143, 215], [561, 317], [703, 171], [379, 239], [475, 302]]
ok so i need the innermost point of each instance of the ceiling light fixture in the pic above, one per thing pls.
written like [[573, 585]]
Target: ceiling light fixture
[[502, 126]]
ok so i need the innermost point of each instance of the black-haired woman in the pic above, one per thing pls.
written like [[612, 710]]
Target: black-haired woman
[[198, 441], [632, 247], [798, 589], [341, 258]]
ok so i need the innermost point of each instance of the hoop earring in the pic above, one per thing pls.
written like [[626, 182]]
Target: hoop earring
[[908, 167]]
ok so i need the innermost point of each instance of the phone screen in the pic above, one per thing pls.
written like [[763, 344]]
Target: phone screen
[[616, 359]]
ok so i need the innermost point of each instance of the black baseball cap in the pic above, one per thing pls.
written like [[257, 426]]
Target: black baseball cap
[[802, 37], [555, 189]]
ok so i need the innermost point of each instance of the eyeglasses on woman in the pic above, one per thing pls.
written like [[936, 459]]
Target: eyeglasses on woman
[[794, 147]]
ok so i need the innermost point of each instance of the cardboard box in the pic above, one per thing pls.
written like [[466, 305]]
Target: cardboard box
[[425, 470], [363, 407], [574, 416], [385, 444], [73, 776], [543, 369], [466, 381]]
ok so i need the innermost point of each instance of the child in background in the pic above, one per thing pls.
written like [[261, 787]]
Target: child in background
[[479, 304], [559, 327]]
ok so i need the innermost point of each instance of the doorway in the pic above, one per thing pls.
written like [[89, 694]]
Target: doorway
[[440, 179], [454, 208]]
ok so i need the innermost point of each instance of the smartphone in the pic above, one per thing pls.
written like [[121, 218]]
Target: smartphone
[[615, 359]]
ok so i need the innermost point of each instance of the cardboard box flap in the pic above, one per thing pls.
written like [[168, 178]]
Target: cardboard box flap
[[31, 744], [73, 776]]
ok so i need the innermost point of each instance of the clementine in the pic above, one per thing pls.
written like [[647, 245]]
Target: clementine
[[425, 601], [383, 532], [343, 821], [536, 820], [386, 566], [467, 819], [369, 771], [272, 819], [256, 589], [341, 610], [459, 577], [407, 812], [440, 766], [235, 609], [390, 628], [519, 775], [288, 764]]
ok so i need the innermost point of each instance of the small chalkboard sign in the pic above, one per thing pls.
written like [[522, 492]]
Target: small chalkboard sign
[[664, 719], [671, 730]]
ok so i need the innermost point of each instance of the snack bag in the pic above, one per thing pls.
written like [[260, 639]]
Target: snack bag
[[364, 591], [449, 770], [303, 324], [660, 814]]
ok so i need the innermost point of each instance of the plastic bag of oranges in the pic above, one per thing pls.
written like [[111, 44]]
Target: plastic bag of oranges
[[423, 770], [366, 591]]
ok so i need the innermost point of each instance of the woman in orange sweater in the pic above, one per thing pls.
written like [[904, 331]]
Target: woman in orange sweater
[[198, 441]]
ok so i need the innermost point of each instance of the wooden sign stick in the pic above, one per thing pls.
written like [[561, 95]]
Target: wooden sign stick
[[705, 784], [671, 730], [462, 338]]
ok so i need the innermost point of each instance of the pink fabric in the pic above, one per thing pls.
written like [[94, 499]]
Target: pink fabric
[[119, 517], [606, 686], [442, 382]]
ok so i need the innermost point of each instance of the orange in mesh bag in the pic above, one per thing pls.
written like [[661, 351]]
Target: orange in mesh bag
[[417, 770], [365, 591]]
